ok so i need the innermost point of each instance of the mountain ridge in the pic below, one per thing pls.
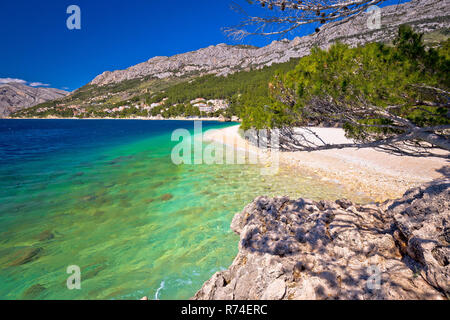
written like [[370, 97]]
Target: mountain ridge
[[223, 59], [16, 96]]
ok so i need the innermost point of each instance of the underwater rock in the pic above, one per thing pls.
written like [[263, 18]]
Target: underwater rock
[[89, 198], [120, 159], [46, 235], [158, 184], [34, 291], [166, 197], [26, 255], [92, 271]]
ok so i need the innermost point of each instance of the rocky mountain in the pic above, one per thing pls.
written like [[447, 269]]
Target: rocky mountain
[[304, 249], [16, 96], [222, 59]]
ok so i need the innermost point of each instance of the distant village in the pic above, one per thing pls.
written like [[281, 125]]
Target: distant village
[[206, 107]]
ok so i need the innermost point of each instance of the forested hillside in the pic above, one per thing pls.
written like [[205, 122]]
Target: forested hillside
[[377, 92]]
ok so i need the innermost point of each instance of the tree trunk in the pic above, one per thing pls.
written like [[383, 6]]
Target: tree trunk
[[432, 138]]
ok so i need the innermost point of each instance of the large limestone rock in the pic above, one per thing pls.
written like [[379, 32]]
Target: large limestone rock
[[303, 249], [422, 217]]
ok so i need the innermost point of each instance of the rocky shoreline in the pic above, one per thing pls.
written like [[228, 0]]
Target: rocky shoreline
[[304, 249]]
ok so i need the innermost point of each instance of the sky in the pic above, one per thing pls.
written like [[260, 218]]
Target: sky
[[38, 49]]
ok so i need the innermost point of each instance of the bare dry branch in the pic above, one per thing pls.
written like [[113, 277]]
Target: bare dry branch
[[288, 15]]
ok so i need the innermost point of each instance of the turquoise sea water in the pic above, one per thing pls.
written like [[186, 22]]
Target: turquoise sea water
[[104, 195]]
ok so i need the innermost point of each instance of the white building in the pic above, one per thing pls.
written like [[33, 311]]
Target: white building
[[198, 100], [218, 104], [156, 104], [203, 107]]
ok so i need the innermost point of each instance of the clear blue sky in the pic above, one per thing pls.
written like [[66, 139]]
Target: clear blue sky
[[115, 34]]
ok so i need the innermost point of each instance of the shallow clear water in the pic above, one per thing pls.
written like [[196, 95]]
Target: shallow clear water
[[105, 195]]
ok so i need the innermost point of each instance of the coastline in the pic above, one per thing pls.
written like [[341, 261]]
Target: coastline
[[137, 118], [380, 175]]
